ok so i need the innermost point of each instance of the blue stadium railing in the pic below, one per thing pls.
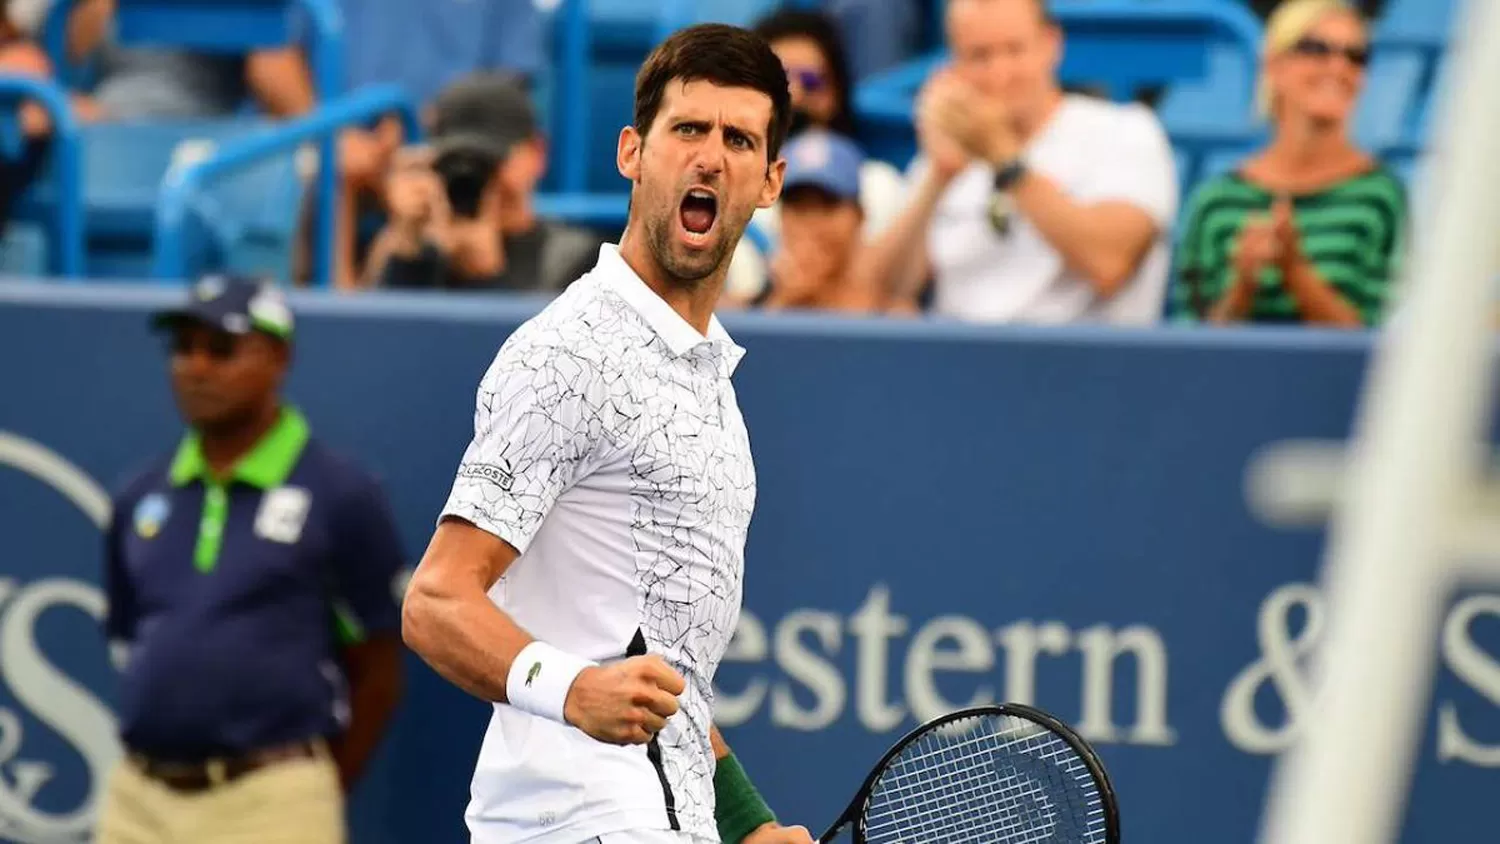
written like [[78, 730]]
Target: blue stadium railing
[[66, 243], [232, 26], [181, 185]]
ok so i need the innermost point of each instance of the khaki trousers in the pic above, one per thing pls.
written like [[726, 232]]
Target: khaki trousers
[[298, 801]]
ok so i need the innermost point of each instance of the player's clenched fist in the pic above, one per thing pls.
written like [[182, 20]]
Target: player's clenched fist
[[625, 703]]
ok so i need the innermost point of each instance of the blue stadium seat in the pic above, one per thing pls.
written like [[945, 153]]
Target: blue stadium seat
[[1187, 169], [124, 162], [123, 166], [1222, 160], [1222, 99], [1392, 97], [737, 12], [23, 251], [1404, 166], [586, 96], [1417, 23]]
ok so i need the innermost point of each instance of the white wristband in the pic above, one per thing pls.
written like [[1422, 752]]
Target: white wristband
[[539, 680]]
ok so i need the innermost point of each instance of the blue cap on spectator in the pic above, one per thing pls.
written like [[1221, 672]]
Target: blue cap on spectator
[[232, 304], [825, 160]]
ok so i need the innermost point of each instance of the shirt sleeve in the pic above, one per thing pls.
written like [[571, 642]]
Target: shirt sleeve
[[544, 417], [1136, 166], [120, 616], [367, 565]]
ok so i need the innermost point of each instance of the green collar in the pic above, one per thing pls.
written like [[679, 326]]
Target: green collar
[[267, 465]]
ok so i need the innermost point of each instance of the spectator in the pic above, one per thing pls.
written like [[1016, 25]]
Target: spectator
[[20, 55], [424, 46], [1027, 204], [820, 204], [252, 584], [822, 98], [1308, 229], [151, 83], [463, 213]]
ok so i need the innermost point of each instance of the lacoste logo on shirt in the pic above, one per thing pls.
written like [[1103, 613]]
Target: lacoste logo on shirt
[[499, 475], [536, 668]]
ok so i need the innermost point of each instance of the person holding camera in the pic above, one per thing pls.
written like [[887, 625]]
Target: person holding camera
[[461, 211]]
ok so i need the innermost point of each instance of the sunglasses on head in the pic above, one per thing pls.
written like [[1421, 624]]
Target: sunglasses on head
[[217, 344], [810, 80], [1358, 55]]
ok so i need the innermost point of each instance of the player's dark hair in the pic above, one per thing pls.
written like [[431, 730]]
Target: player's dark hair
[[724, 55], [819, 29]]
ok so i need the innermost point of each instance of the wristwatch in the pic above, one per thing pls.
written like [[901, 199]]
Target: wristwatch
[[1009, 173], [1001, 204]]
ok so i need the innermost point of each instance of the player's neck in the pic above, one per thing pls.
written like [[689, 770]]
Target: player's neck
[[694, 304]]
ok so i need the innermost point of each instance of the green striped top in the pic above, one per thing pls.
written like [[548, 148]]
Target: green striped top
[[1352, 233]]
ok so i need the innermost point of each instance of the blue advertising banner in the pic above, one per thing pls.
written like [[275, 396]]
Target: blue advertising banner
[[946, 515]]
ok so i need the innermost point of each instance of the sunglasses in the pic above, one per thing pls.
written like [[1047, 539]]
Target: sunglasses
[[216, 344], [811, 80], [1317, 48]]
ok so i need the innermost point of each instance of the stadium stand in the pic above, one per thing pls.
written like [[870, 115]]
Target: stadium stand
[[1200, 55], [247, 219]]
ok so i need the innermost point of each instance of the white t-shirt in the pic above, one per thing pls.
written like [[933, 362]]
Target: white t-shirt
[[610, 451], [882, 189], [1096, 151]]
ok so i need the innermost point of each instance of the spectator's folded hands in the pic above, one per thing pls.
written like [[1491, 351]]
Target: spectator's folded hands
[[1284, 229], [938, 145], [1259, 246], [980, 124]]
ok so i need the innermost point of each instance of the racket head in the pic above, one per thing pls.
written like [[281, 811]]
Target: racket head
[[995, 774]]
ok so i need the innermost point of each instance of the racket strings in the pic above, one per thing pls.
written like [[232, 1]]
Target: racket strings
[[992, 779]]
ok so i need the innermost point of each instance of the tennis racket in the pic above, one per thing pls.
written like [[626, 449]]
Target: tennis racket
[[1006, 774]]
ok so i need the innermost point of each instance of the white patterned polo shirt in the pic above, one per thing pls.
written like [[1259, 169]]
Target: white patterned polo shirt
[[610, 451]]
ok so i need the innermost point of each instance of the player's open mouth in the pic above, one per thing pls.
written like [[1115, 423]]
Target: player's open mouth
[[697, 213]]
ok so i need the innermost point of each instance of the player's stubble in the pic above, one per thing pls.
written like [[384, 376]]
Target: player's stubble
[[684, 267]]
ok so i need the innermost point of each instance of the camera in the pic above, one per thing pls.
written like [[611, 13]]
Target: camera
[[466, 170]]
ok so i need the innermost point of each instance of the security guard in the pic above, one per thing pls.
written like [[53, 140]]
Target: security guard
[[252, 580]]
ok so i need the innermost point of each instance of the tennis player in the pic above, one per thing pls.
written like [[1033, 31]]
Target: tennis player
[[585, 574]]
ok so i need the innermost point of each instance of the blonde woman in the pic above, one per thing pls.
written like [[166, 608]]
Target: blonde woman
[[1307, 230]]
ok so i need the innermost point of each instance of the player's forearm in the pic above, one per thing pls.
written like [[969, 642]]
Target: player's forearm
[[739, 810], [460, 633]]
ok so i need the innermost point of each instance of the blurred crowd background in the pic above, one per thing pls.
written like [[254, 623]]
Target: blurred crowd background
[[1132, 163], [1173, 160]]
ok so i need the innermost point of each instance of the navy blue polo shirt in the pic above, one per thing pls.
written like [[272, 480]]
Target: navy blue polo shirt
[[235, 596]]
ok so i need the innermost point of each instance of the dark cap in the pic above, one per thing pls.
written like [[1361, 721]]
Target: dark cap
[[232, 304], [486, 112]]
